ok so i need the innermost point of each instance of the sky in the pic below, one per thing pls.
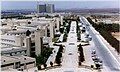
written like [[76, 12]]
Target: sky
[[11, 5]]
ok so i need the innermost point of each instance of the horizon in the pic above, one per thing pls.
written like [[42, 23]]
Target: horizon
[[32, 5]]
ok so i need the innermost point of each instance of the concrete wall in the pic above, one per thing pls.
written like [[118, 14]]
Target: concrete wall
[[28, 45], [19, 41], [38, 42], [51, 31], [61, 20]]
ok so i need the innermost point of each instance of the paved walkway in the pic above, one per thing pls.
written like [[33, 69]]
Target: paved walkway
[[70, 56], [52, 56]]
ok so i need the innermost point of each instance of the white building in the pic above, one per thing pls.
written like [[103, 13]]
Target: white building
[[17, 62], [11, 40], [40, 28], [13, 51]]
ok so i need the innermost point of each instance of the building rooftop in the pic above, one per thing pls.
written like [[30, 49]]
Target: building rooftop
[[24, 59], [8, 60], [5, 50], [8, 37], [13, 59], [20, 31]]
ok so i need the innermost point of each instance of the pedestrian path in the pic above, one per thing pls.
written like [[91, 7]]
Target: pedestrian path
[[52, 56], [70, 56]]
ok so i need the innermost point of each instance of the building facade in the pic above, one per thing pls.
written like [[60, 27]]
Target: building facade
[[50, 8], [17, 62], [45, 8], [41, 8]]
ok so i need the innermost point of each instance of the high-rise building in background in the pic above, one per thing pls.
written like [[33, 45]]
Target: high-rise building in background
[[45, 8], [50, 8], [41, 8]]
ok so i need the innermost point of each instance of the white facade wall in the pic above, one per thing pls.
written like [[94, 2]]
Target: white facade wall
[[61, 20], [38, 36], [51, 31], [11, 40], [58, 25], [28, 45]]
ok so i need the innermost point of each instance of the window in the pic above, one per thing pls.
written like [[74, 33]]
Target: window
[[24, 58], [32, 44], [17, 65], [30, 63], [15, 52], [25, 51], [32, 49], [23, 44], [10, 54], [7, 65], [71, 44]]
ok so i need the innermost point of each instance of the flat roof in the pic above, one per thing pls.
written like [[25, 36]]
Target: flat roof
[[24, 59], [10, 37], [12, 49], [8, 60], [12, 59]]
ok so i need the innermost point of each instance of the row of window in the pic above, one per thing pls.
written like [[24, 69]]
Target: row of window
[[8, 40], [19, 33], [20, 52], [17, 64], [7, 44], [15, 53]]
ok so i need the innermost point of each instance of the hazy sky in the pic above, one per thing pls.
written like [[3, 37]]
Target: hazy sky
[[8, 5]]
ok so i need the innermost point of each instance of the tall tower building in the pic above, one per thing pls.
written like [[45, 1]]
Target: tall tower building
[[50, 8], [41, 8]]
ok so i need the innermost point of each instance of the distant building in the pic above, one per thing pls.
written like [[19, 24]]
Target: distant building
[[41, 8], [50, 8], [46, 8]]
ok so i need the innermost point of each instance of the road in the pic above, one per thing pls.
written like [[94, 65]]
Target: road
[[102, 50], [70, 55]]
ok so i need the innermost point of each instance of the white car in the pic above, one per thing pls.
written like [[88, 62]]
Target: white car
[[93, 52], [90, 38], [80, 24]]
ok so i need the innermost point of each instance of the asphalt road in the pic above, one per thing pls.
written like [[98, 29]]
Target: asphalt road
[[108, 59]]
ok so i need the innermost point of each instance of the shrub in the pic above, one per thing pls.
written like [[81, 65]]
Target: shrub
[[59, 55], [42, 58], [81, 57]]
